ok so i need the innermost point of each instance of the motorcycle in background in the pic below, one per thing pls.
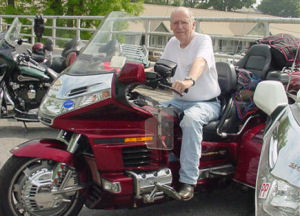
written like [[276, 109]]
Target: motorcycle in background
[[43, 53], [278, 177], [23, 81]]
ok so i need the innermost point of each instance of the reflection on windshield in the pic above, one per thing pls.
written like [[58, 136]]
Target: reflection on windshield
[[119, 35], [13, 33]]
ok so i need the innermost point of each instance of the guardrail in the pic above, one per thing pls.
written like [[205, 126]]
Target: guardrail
[[78, 29]]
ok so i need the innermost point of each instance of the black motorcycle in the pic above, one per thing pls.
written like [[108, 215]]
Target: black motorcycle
[[23, 81], [43, 53]]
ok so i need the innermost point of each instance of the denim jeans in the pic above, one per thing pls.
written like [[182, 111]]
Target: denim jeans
[[196, 115]]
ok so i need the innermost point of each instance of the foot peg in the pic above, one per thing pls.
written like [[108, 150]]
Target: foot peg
[[168, 190]]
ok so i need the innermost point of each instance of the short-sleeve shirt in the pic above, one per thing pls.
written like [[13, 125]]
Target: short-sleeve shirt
[[206, 87]]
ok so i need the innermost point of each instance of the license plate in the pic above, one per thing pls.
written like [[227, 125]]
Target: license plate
[[264, 189]]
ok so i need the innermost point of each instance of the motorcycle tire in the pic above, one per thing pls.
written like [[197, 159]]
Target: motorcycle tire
[[25, 189]]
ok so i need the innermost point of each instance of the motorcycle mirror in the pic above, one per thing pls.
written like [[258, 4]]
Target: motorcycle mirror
[[165, 68], [132, 73], [264, 101], [150, 75]]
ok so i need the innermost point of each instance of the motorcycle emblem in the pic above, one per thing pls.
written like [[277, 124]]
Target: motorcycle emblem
[[68, 104]]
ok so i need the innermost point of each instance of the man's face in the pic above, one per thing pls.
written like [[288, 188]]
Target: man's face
[[182, 26]]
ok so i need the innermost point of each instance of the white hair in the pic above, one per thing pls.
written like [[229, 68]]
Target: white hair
[[186, 10]]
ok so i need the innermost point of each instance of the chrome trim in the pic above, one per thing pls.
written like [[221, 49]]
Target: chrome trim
[[52, 73], [145, 183], [73, 144], [224, 134], [22, 78]]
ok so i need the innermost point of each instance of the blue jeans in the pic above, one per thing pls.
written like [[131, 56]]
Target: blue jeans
[[196, 115]]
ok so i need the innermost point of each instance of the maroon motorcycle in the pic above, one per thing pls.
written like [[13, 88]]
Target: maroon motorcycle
[[117, 147]]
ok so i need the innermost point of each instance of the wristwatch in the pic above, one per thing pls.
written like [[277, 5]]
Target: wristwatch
[[190, 78]]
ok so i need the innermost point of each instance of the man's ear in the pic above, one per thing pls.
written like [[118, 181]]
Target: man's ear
[[194, 24]]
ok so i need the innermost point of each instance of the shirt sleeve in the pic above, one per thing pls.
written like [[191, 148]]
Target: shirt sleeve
[[167, 53], [205, 49]]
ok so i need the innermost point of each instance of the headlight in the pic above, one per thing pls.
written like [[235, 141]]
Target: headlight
[[277, 198], [53, 106], [274, 196]]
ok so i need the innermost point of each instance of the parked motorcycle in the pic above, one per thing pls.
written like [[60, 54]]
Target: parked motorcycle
[[23, 81], [43, 53], [278, 185], [117, 146]]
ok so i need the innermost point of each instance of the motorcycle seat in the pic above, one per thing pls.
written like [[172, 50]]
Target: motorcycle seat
[[228, 119], [257, 60]]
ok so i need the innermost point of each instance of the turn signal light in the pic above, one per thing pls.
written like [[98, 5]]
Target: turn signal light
[[138, 139]]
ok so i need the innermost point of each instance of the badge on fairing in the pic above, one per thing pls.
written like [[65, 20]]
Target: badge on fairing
[[68, 104]]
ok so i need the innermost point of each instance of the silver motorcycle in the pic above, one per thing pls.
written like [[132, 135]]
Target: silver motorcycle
[[278, 177]]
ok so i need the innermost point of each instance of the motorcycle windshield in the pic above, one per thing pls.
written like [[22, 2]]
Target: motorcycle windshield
[[13, 33], [287, 134], [117, 41]]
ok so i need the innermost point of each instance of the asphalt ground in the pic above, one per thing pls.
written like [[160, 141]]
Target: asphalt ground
[[227, 201]]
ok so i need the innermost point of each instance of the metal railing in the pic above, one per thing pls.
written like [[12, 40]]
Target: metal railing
[[77, 20]]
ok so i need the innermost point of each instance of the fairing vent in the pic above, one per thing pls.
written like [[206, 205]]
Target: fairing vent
[[77, 91], [136, 156]]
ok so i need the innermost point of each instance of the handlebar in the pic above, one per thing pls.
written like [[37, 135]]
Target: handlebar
[[154, 80], [173, 89]]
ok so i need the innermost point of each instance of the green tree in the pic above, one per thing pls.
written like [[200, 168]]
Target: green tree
[[70, 7], [282, 8], [229, 5]]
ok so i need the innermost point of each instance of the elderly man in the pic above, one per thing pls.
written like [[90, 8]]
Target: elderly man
[[195, 71]]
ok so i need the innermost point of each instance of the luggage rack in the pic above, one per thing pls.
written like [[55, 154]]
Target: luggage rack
[[136, 53]]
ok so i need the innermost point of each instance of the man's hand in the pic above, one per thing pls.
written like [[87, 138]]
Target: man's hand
[[181, 86]]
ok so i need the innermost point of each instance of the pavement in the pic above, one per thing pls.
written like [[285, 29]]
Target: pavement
[[223, 201]]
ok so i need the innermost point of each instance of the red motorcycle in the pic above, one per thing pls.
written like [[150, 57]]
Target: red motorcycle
[[117, 146]]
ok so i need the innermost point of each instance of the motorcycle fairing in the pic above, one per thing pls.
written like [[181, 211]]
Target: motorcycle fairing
[[50, 149], [287, 168], [249, 152]]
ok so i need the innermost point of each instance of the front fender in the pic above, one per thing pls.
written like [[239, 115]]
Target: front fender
[[50, 149]]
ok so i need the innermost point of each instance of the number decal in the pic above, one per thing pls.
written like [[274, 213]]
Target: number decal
[[264, 190]]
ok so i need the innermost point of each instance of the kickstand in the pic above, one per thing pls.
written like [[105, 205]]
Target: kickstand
[[26, 128]]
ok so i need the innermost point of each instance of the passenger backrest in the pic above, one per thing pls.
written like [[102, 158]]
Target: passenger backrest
[[228, 118], [257, 60], [226, 77]]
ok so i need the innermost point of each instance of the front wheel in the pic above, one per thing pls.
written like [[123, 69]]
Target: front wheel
[[27, 188]]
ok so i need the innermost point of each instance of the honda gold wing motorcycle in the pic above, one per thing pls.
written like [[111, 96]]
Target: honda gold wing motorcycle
[[23, 82], [278, 184], [117, 147]]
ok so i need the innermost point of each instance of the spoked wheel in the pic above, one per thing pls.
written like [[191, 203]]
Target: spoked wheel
[[27, 189]]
